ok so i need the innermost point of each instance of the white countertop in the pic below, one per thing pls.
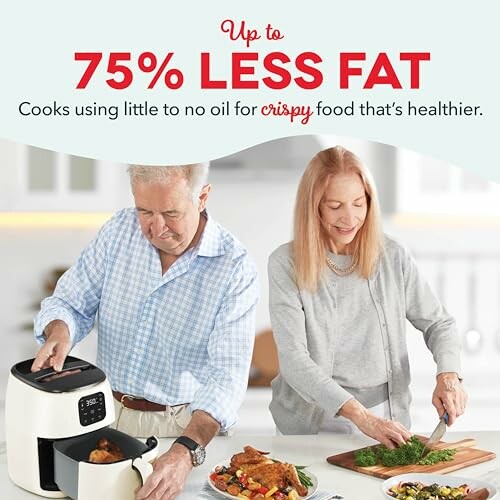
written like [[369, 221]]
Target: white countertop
[[301, 450]]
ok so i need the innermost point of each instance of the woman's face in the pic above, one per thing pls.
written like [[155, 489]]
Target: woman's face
[[343, 210]]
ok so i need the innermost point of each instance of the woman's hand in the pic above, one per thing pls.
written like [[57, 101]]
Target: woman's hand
[[449, 395], [387, 432]]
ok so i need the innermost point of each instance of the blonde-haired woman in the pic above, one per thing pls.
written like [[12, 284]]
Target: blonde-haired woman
[[340, 295]]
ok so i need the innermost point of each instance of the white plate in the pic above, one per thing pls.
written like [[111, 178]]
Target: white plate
[[442, 480], [310, 493]]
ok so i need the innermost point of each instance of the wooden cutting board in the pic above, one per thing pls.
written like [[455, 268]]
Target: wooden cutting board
[[465, 456]]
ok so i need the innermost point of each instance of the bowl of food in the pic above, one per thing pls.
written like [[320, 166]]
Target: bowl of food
[[418, 486]]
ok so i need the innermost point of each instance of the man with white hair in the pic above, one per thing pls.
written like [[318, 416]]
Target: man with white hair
[[176, 296]]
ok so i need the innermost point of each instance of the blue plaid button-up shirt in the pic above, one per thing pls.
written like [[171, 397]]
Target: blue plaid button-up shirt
[[182, 337]]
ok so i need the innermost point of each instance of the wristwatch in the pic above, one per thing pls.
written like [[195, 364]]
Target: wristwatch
[[196, 451]]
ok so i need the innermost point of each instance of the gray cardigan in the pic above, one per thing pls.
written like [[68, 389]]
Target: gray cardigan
[[301, 321]]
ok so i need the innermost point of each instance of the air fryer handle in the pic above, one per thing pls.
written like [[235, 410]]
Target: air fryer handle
[[152, 443], [68, 366], [142, 464], [143, 467]]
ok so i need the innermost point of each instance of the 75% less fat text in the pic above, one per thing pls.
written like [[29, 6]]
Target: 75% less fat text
[[123, 75]]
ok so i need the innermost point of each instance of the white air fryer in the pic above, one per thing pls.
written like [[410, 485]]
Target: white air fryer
[[52, 424]]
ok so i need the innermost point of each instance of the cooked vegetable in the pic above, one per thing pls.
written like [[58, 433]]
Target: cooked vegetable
[[233, 489], [220, 484], [406, 454], [271, 492], [419, 491], [253, 486], [305, 480]]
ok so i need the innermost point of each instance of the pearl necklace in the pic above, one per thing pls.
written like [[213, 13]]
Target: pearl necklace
[[338, 270]]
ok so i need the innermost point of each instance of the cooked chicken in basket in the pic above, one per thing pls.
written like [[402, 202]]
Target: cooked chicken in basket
[[106, 452]]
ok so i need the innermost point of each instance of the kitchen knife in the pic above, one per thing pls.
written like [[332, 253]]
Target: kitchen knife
[[437, 434]]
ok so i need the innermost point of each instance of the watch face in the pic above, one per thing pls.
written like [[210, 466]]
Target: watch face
[[198, 455]]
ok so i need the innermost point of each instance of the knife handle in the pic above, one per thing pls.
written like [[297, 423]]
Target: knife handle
[[464, 443]]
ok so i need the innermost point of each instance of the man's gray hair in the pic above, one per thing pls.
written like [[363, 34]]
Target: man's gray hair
[[196, 175]]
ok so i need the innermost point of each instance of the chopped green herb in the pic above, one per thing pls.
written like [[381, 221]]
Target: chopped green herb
[[365, 457], [434, 457], [406, 454]]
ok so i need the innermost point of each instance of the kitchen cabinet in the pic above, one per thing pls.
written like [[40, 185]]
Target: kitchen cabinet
[[36, 179]]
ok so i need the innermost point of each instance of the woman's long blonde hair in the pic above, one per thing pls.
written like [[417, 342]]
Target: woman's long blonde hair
[[310, 238]]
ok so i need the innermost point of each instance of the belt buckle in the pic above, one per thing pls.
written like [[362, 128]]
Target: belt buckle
[[126, 396]]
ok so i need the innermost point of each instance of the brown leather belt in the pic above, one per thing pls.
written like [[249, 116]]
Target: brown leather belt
[[140, 404]]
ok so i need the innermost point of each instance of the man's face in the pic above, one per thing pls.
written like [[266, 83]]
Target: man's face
[[168, 217]]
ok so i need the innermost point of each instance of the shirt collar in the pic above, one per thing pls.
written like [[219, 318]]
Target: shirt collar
[[211, 243]]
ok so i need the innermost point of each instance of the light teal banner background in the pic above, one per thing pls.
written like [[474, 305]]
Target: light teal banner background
[[38, 40]]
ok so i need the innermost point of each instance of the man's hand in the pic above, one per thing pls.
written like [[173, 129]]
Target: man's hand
[[449, 395], [171, 470], [387, 432], [169, 475], [56, 347]]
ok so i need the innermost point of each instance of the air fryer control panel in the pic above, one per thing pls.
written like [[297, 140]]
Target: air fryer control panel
[[92, 408]]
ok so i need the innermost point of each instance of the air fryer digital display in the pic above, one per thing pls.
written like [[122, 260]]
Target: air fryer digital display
[[92, 409]]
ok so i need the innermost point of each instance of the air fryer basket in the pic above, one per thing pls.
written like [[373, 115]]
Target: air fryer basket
[[68, 453]]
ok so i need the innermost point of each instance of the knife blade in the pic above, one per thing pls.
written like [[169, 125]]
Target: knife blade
[[436, 435]]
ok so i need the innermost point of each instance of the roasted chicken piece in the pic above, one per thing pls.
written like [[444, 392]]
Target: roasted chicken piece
[[106, 452], [249, 456], [103, 457], [275, 474], [262, 469]]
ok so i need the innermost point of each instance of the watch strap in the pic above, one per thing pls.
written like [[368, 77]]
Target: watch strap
[[196, 451], [189, 443]]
